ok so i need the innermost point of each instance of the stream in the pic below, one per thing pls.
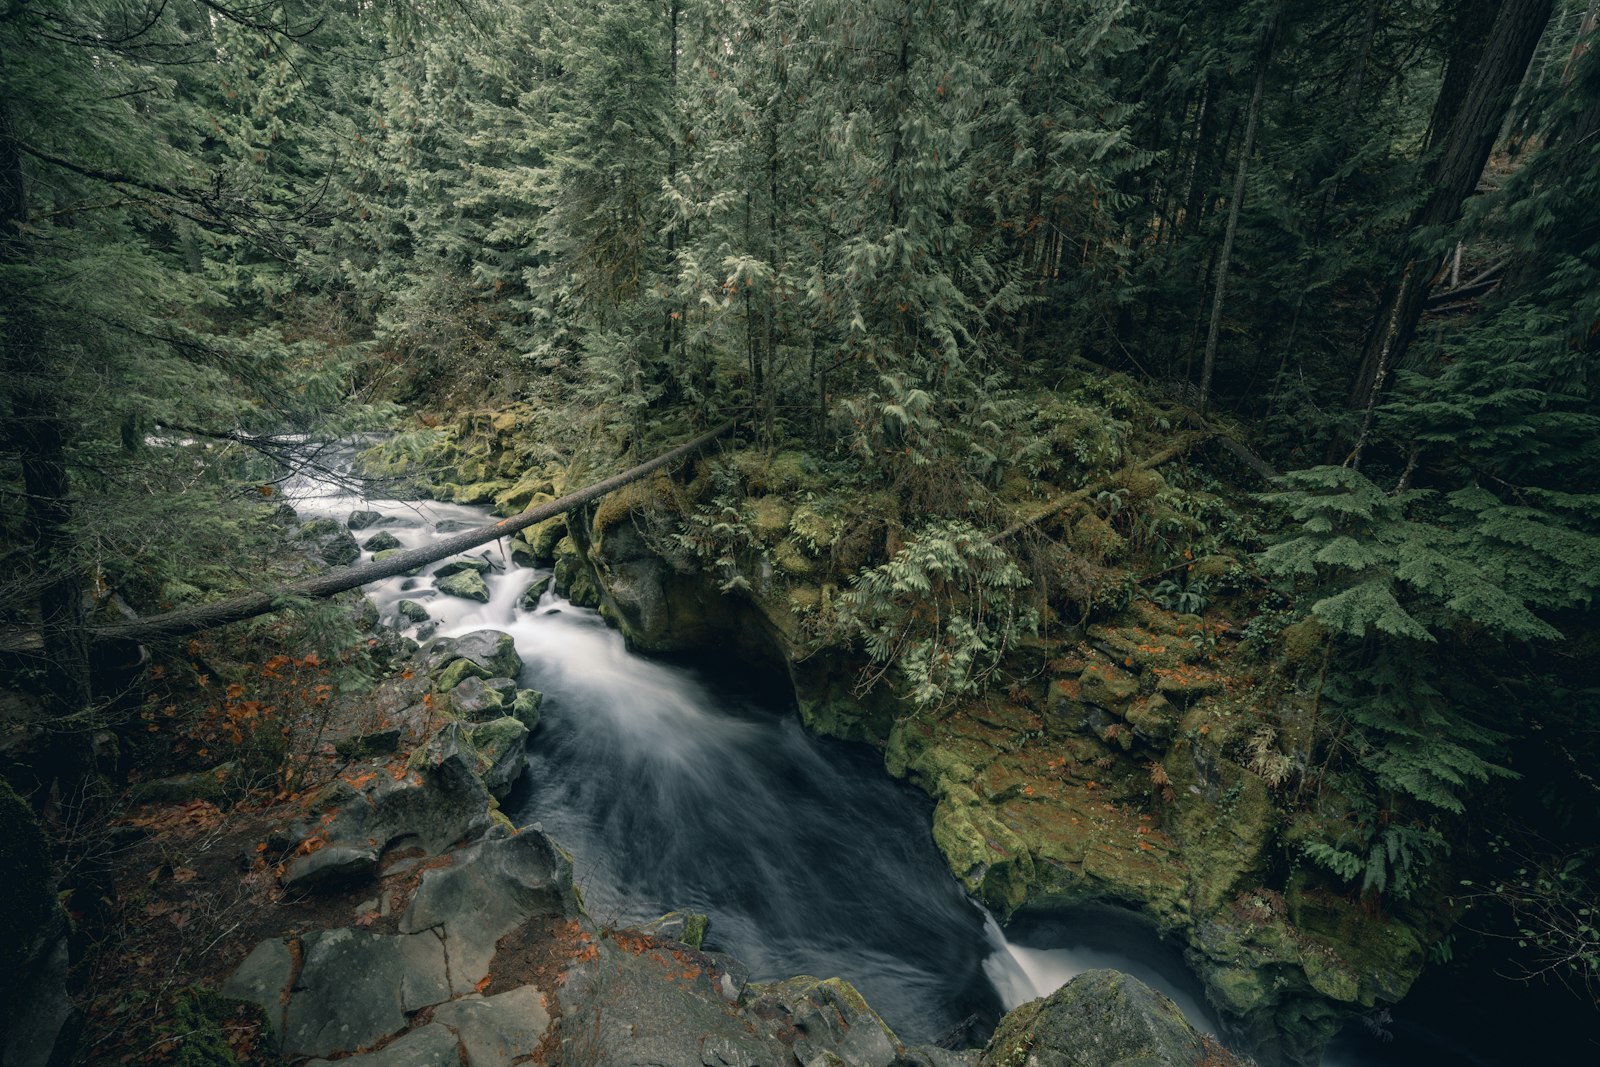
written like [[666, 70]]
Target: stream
[[693, 786]]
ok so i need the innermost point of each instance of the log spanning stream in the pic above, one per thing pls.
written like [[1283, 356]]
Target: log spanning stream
[[696, 787]]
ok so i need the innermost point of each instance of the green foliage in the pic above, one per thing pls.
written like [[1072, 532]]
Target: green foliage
[[942, 613]]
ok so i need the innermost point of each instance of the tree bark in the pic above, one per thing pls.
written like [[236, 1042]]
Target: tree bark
[[1474, 123], [207, 616], [1252, 117]]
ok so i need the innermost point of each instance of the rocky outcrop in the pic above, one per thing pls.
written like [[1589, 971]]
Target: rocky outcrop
[[1102, 1019]]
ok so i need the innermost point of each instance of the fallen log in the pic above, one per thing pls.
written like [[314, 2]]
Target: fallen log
[[206, 616], [1062, 503]]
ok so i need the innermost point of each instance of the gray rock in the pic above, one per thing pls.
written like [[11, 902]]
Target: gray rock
[[1101, 1018], [526, 706], [499, 1029], [411, 611], [357, 987], [530, 598], [491, 649], [381, 540], [502, 754], [365, 746], [332, 865], [933, 1056], [461, 565], [633, 1018], [828, 1016], [685, 927], [360, 520], [262, 978], [473, 699], [468, 585], [329, 540], [489, 890], [458, 671], [428, 1046], [505, 687]]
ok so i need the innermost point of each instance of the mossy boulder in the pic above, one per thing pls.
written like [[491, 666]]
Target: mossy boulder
[[462, 564], [534, 593], [329, 540], [379, 541], [458, 671], [211, 785], [526, 706], [361, 519], [1101, 1018], [767, 517], [467, 584], [1103, 684], [412, 611], [985, 854]]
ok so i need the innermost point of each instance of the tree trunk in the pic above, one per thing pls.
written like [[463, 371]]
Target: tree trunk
[[38, 433], [1453, 177], [1214, 330]]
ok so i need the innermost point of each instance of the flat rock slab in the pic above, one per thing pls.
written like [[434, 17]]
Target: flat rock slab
[[497, 1030], [262, 979], [356, 988], [429, 1046], [489, 890], [641, 1006]]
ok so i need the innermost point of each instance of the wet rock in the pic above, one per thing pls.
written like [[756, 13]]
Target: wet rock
[[412, 611], [46, 1020], [1107, 686], [473, 699], [493, 650], [685, 927], [328, 540], [828, 1017], [381, 540], [1101, 1018], [497, 1030], [458, 671], [489, 890], [428, 1046], [530, 598], [461, 565], [469, 585], [526, 705], [210, 785], [501, 746], [361, 519], [932, 1056], [503, 686], [357, 987]]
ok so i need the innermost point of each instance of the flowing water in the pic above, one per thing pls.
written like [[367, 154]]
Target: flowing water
[[695, 787]]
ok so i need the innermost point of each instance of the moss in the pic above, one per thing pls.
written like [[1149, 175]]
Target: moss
[[390, 553], [1107, 686], [1304, 641], [202, 1022], [767, 517], [458, 671], [1093, 536], [988, 858]]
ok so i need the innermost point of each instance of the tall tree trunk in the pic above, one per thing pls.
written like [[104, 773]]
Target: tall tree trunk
[[38, 433], [1252, 117], [1453, 177]]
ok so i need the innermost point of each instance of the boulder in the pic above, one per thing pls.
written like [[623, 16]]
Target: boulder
[[381, 540], [1101, 1018], [499, 1029], [361, 519], [356, 987], [530, 598], [828, 1018], [461, 565], [490, 649], [458, 671], [685, 927], [501, 746], [489, 890], [263, 980], [328, 540], [412, 611], [526, 705], [472, 699], [469, 585]]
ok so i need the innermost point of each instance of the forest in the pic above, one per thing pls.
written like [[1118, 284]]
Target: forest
[[1200, 396]]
